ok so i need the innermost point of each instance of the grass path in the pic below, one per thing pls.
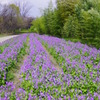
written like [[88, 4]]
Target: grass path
[[53, 60]]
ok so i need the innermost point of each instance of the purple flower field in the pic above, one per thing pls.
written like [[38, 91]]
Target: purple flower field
[[79, 78]]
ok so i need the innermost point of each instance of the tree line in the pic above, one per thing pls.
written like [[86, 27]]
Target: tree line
[[14, 17], [70, 18]]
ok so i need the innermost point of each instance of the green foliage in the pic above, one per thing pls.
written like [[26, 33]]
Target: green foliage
[[71, 27], [22, 31], [27, 85], [52, 22], [12, 96], [15, 9], [3, 47], [49, 23], [10, 76], [78, 19], [38, 26], [90, 23], [66, 8]]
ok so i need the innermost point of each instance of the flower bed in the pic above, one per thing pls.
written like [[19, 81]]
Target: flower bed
[[77, 60]]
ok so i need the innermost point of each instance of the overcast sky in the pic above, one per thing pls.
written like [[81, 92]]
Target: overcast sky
[[36, 5]]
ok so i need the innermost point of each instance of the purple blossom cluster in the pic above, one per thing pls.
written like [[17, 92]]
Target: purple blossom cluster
[[5, 44], [80, 61], [9, 92], [6, 91], [9, 55], [39, 73]]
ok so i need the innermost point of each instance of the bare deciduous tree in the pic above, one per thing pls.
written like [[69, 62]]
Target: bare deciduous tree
[[14, 16], [24, 7]]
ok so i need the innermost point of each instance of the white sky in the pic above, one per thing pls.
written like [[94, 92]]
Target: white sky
[[36, 5]]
